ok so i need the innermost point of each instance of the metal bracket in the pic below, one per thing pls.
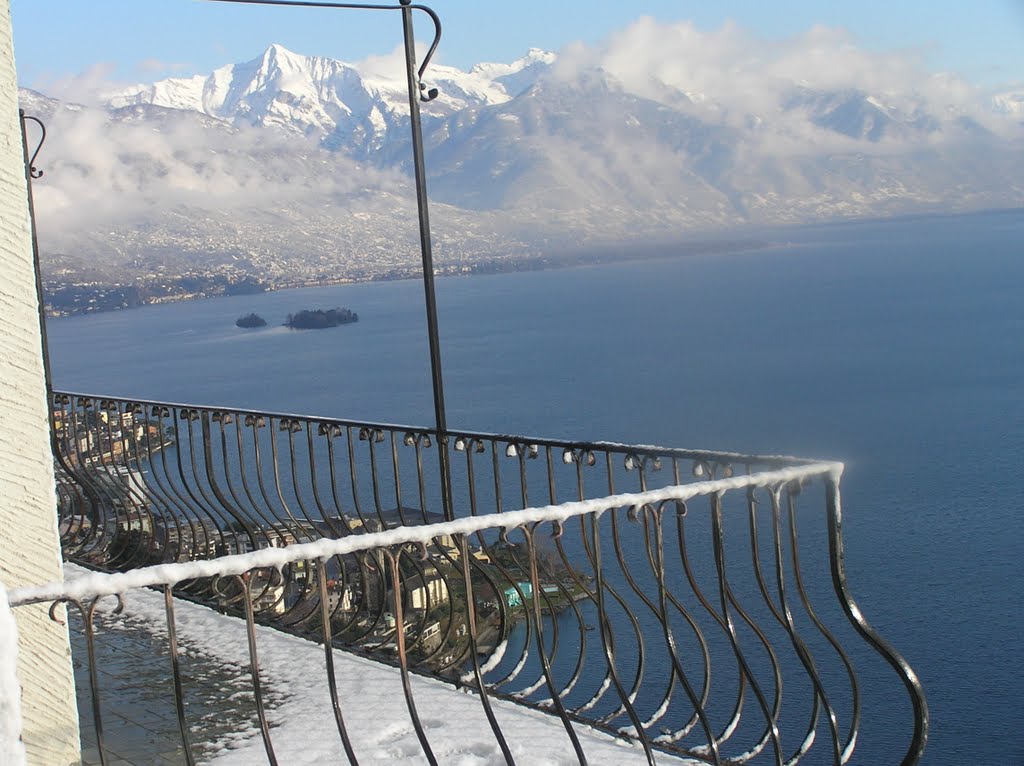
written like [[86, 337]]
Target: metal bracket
[[32, 170]]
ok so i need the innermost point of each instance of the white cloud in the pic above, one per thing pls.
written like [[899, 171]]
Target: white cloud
[[731, 75], [89, 87], [100, 172], [390, 66]]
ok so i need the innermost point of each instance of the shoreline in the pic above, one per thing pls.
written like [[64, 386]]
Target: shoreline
[[754, 238], [601, 255]]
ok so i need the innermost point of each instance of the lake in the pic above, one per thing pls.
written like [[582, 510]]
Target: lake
[[897, 347]]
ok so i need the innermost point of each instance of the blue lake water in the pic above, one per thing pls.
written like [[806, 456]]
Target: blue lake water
[[897, 347]]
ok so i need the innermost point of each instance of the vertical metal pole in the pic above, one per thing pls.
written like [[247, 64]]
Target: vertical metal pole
[[427, 254], [424, 216], [30, 174]]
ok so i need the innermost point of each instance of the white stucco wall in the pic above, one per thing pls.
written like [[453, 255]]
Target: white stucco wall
[[29, 549]]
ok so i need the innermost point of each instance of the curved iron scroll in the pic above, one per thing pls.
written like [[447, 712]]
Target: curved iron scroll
[[32, 170]]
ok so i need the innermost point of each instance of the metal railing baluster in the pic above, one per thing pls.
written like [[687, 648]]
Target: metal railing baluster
[[665, 667]]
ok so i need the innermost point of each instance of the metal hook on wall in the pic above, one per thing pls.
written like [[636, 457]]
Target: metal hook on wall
[[32, 170]]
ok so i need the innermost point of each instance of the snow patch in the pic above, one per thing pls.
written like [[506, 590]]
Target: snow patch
[[1011, 103], [487, 667]]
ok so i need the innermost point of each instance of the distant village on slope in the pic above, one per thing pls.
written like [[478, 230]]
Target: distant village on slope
[[71, 293]]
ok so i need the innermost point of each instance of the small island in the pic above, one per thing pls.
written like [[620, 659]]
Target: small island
[[251, 320], [319, 319]]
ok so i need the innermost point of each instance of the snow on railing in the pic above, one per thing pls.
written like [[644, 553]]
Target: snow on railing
[[106, 584], [671, 582]]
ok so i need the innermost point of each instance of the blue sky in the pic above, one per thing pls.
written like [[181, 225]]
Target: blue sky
[[133, 40]]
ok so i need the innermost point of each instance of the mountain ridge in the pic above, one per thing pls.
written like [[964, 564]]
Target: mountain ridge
[[335, 101], [298, 162]]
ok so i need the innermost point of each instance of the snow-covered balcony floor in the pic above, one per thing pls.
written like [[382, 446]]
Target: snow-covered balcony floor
[[300, 713]]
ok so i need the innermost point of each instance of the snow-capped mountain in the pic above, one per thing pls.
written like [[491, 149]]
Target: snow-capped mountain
[[1011, 103], [342, 104], [285, 154], [35, 103]]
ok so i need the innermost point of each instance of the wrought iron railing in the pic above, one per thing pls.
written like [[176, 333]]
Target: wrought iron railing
[[648, 568]]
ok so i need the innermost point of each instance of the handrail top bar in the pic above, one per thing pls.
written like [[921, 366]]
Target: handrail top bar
[[105, 584], [717, 456], [325, 4]]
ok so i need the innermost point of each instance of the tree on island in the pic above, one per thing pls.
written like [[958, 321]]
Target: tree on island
[[251, 320], [319, 319]]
